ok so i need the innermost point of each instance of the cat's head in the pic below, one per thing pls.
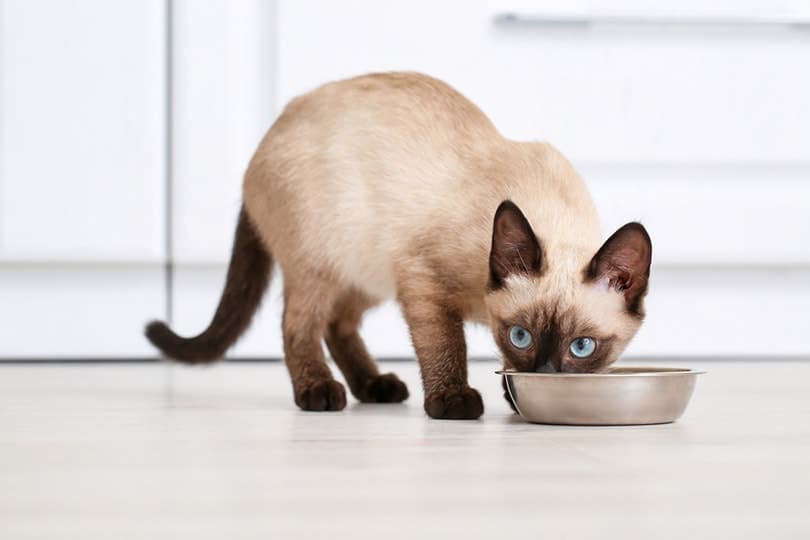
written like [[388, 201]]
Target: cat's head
[[573, 314]]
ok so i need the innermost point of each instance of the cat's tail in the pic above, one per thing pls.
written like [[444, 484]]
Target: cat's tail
[[248, 276]]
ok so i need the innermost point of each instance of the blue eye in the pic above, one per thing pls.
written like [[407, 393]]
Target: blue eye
[[582, 347], [520, 337]]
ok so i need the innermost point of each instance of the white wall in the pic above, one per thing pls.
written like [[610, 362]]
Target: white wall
[[691, 116]]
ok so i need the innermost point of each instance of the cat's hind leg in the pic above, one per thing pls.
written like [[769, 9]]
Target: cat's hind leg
[[308, 304], [349, 353]]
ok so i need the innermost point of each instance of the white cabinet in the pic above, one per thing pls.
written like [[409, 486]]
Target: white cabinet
[[731, 215], [222, 105], [83, 139], [78, 311], [693, 127], [693, 117], [702, 131], [222, 58], [603, 92], [82, 176]]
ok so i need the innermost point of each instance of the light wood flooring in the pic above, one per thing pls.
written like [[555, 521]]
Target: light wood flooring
[[151, 451]]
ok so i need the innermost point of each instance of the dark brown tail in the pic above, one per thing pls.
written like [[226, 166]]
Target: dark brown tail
[[248, 276]]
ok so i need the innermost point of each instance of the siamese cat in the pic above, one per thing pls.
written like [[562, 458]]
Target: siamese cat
[[394, 185]]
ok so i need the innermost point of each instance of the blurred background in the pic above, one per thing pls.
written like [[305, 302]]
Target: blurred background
[[126, 125]]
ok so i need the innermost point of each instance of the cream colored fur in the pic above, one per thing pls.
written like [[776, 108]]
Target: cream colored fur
[[374, 179]]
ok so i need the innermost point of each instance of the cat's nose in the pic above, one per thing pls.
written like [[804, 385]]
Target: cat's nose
[[549, 366]]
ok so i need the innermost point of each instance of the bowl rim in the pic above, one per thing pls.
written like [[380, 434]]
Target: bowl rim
[[620, 372]]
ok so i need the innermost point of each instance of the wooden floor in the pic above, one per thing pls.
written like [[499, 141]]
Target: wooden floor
[[150, 451]]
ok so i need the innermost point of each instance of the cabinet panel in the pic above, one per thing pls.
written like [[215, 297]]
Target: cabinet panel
[[222, 64], [659, 118], [83, 114], [78, 311], [601, 92], [196, 292], [703, 215]]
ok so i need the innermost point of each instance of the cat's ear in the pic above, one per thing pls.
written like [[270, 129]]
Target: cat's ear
[[515, 248], [623, 264]]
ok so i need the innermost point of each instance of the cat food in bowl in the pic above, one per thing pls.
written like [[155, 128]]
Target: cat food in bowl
[[619, 396]]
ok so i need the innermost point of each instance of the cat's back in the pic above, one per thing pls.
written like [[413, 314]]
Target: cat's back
[[362, 170], [372, 134], [361, 160], [411, 102]]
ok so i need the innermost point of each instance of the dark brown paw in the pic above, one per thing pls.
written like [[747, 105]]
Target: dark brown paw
[[455, 404], [385, 388], [325, 395], [506, 395]]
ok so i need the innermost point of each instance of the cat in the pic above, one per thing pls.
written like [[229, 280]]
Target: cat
[[394, 185]]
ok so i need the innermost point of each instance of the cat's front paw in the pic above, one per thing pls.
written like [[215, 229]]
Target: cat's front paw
[[456, 403], [326, 395], [385, 388], [507, 396]]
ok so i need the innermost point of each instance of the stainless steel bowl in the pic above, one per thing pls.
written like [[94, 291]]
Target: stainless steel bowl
[[619, 396]]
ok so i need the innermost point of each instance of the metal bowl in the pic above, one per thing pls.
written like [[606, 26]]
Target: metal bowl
[[617, 397]]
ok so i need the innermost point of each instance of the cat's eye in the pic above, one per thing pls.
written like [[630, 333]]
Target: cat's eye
[[520, 337], [582, 347]]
